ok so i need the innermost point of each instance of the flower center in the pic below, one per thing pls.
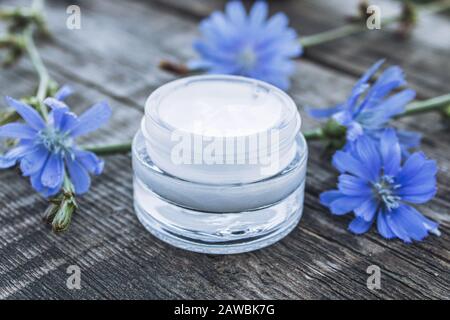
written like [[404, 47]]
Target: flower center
[[56, 141], [385, 192], [247, 58]]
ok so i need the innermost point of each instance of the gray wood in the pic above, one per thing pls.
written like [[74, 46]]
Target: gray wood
[[114, 56]]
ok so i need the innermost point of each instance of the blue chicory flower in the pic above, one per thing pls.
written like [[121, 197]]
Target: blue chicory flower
[[368, 109], [63, 93], [248, 45], [376, 186], [46, 149]]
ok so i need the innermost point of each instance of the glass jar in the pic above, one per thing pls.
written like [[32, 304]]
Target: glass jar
[[219, 164]]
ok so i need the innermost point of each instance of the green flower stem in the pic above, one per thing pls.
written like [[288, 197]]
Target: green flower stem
[[433, 104], [63, 207], [355, 28], [435, 7], [111, 149], [41, 70], [341, 32], [316, 134], [7, 13]]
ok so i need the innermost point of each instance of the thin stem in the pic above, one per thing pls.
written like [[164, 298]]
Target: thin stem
[[341, 32], [435, 7], [429, 105], [110, 149], [38, 64], [433, 104], [316, 134], [355, 28]]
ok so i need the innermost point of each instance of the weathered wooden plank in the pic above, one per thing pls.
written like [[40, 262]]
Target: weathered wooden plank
[[119, 259]]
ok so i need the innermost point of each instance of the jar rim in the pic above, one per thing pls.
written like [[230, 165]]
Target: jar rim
[[291, 118]]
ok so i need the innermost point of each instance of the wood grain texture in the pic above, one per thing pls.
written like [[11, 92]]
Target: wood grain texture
[[114, 56]]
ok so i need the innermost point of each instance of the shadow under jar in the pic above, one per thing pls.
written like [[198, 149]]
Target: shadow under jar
[[219, 164]]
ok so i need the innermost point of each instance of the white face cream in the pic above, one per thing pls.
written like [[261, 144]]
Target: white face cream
[[221, 108], [219, 130], [219, 164]]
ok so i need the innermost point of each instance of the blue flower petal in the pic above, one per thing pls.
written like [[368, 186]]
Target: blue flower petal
[[7, 162], [90, 161], [368, 154], [370, 73], [30, 115], [367, 210], [216, 56], [419, 218], [34, 161], [390, 79], [323, 113], [327, 197], [410, 222], [216, 27], [53, 172], [353, 186], [18, 131], [60, 117], [390, 152], [236, 12], [411, 167], [390, 107], [383, 227], [345, 162], [78, 176], [354, 130], [359, 225], [224, 69], [418, 193], [346, 204], [276, 24], [37, 185], [92, 119], [13, 155], [258, 14], [63, 93], [68, 122], [425, 176], [361, 86], [339, 203], [396, 226], [56, 104], [392, 74]]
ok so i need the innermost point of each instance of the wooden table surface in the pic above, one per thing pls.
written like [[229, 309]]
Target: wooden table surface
[[115, 56]]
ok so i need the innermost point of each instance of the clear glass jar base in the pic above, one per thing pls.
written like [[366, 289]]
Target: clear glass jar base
[[217, 233]]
